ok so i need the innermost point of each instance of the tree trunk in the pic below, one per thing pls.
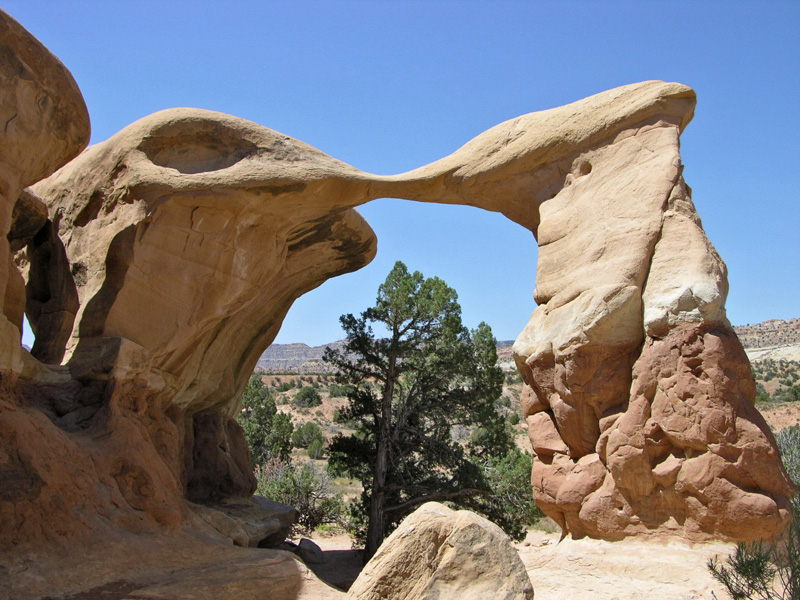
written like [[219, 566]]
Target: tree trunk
[[377, 502]]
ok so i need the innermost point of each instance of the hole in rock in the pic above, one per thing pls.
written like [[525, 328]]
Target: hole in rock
[[489, 260], [199, 152], [28, 337]]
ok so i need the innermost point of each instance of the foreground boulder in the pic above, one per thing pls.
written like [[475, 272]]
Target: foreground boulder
[[440, 554]]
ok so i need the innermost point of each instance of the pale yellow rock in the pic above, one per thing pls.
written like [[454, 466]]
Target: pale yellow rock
[[178, 567], [205, 227], [438, 553]]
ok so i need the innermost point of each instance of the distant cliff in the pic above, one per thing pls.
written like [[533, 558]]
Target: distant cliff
[[774, 332], [302, 358], [295, 358]]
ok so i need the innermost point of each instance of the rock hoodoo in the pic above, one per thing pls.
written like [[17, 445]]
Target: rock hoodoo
[[158, 265]]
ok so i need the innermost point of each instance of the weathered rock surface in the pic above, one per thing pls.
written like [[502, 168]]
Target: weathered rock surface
[[254, 522], [157, 266], [440, 553], [181, 244], [174, 567], [46, 124]]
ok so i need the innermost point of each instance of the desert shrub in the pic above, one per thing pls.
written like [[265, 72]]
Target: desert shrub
[[338, 391], [478, 435], [511, 503], [307, 434], [768, 572], [789, 443], [308, 490], [307, 397], [316, 449], [513, 419]]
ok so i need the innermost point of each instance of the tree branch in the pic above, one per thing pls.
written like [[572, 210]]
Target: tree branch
[[435, 496]]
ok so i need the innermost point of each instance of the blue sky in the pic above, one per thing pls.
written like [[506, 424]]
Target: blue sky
[[389, 86]]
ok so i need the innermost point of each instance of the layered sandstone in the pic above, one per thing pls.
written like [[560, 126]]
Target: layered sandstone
[[157, 266]]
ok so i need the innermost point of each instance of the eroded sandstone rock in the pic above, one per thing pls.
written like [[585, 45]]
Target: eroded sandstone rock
[[45, 124], [170, 253], [437, 552], [625, 271]]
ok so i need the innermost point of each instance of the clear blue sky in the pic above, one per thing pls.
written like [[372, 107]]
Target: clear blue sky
[[389, 86]]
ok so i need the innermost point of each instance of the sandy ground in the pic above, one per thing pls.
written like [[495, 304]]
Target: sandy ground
[[633, 570], [781, 415], [582, 569], [342, 563]]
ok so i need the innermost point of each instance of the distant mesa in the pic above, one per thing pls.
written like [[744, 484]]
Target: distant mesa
[[303, 359]]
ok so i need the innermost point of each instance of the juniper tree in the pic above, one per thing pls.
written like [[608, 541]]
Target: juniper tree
[[407, 390]]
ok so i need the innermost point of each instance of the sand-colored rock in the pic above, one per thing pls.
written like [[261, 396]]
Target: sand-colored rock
[[172, 253], [633, 569], [440, 553], [253, 522], [157, 567], [45, 124]]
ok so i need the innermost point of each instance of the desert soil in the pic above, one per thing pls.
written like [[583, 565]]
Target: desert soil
[[578, 569]]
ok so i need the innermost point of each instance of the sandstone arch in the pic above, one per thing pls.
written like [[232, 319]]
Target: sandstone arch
[[187, 236]]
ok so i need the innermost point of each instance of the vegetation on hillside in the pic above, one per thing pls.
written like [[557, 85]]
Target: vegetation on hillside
[[777, 380]]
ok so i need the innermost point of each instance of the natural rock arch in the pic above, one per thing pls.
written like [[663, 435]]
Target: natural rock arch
[[170, 254]]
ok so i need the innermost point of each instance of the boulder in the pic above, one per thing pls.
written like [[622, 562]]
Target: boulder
[[439, 553], [254, 522], [309, 552]]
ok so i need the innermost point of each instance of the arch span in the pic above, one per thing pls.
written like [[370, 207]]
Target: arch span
[[188, 235]]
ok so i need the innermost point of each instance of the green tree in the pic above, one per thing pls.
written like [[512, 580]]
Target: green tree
[[306, 434], [316, 449], [407, 390], [267, 431], [307, 397]]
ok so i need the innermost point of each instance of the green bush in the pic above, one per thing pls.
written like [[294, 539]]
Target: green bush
[[339, 391], [307, 397], [316, 449], [309, 491], [513, 419], [511, 503], [267, 431], [307, 434]]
